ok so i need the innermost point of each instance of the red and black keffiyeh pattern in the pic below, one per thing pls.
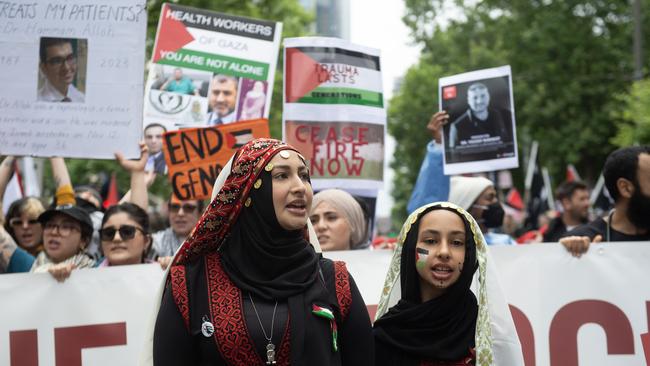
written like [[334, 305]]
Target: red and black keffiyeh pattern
[[215, 224]]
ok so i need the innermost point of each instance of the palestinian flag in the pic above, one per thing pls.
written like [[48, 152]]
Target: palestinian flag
[[326, 313], [332, 75], [214, 42]]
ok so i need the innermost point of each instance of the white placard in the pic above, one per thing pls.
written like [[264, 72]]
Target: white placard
[[72, 74], [334, 111], [481, 134]]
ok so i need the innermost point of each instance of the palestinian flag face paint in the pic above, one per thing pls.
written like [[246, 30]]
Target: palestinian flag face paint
[[421, 256]]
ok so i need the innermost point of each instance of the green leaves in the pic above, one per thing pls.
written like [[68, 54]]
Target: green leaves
[[570, 59]]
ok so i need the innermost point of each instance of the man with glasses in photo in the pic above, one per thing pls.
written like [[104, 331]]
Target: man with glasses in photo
[[58, 65], [183, 216]]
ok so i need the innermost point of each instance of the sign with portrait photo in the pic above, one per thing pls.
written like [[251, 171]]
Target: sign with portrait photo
[[71, 72], [210, 68], [481, 134], [334, 111]]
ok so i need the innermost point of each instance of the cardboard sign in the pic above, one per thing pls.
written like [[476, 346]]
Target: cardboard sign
[[195, 156]]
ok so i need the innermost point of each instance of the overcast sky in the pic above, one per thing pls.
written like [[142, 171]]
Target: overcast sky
[[378, 24]]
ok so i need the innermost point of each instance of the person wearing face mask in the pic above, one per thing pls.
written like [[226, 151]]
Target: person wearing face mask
[[478, 196], [627, 178]]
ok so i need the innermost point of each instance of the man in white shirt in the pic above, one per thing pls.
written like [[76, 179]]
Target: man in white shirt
[[58, 63], [222, 100]]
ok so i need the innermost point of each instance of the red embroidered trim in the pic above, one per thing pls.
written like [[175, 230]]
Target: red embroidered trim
[[179, 293], [226, 310], [343, 292]]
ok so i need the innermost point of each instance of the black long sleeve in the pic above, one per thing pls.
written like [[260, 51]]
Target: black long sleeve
[[172, 343], [357, 341]]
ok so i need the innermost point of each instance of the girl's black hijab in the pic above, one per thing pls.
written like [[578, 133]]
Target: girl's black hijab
[[261, 257], [441, 329]]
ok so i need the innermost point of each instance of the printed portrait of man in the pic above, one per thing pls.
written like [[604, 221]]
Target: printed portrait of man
[[58, 66], [480, 124], [222, 100], [153, 137]]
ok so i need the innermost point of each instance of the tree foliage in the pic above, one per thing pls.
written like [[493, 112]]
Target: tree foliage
[[569, 60], [636, 116], [295, 23]]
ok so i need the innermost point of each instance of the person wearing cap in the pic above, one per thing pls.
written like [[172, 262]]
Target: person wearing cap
[[88, 199], [67, 231]]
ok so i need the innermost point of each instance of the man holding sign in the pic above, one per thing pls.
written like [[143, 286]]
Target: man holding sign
[[58, 64]]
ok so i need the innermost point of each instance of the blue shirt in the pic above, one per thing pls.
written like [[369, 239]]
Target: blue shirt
[[432, 184], [20, 261]]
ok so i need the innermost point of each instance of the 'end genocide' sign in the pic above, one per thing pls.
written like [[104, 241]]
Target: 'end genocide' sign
[[195, 156]]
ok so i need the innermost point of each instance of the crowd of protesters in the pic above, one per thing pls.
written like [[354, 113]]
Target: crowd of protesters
[[74, 231]]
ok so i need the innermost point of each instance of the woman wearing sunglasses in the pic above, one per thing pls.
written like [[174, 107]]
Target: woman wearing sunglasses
[[22, 224], [124, 235]]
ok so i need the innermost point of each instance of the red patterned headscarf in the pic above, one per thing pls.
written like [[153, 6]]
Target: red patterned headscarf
[[222, 213]]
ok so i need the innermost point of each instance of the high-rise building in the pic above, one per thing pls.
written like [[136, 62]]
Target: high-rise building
[[332, 17]]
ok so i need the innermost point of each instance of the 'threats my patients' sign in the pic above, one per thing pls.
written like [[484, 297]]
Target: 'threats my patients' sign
[[71, 74]]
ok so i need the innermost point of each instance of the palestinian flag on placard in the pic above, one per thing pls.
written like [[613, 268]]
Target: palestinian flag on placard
[[332, 75], [210, 41]]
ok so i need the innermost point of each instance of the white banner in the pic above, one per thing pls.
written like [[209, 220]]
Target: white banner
[[96, 317], [568, 311], [71, 72]]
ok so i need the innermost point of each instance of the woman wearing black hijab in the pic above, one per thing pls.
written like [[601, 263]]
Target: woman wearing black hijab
[[247, 289], [428, 315]]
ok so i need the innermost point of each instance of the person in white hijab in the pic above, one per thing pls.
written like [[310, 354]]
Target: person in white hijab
[[466, 320]]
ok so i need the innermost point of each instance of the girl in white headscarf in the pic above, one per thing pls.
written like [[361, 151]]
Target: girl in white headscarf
[[428, 314]]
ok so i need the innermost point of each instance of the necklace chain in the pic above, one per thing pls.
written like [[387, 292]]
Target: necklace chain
[[268, 338]]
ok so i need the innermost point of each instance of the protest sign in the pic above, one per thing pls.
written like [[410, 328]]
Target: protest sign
[[195, 156], [480, 135], [334, 111], [592, 310], [72, 77], [210, 68], [96, 317]]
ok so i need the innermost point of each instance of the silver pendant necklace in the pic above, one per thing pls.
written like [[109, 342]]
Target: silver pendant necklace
[[270, 347]]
